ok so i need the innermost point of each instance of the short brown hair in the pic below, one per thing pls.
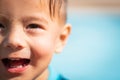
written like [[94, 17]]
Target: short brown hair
[[58, 7]]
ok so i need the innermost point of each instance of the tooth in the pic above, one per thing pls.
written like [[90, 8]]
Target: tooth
[[20, 66]]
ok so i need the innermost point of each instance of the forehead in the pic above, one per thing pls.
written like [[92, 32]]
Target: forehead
[[23, 6], [24, 2]]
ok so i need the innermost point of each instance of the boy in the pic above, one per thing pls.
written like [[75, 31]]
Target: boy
[[30, 32]]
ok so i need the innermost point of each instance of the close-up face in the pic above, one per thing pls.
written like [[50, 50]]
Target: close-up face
[[28, 39]]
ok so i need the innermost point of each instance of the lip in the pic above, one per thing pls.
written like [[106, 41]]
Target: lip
[[17, 70], [16, 65]]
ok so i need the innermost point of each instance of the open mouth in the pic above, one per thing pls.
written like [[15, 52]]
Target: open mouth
[[15, 64]]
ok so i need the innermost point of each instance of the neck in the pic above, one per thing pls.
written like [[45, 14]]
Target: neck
[[44, 75]]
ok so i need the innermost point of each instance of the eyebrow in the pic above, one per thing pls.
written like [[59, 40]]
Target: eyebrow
[[3, 18], [36, 18]]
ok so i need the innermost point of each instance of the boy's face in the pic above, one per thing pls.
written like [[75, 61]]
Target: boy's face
[[28, 39]]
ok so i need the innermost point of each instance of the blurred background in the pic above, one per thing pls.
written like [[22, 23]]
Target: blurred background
[[93, 49]]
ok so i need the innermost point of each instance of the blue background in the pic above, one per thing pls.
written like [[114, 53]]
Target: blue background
[[93, 49]]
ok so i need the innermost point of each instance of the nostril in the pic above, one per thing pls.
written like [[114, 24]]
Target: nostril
[[19, 47]]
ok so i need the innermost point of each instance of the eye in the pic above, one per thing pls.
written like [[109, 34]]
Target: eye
[[1, 27], [33, 26]]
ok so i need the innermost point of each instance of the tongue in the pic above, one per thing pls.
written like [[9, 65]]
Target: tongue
[[16, 63]]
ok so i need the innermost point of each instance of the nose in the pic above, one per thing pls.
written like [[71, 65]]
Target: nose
[[14, 41]]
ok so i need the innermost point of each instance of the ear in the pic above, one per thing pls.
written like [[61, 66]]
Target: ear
[[62, 39]]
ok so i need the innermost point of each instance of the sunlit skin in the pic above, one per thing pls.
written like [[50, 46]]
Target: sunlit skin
[[27, 31]]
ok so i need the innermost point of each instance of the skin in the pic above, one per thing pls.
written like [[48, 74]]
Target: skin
[[20, 39]]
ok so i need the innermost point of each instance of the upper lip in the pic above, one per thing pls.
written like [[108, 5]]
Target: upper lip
[[14, 58]]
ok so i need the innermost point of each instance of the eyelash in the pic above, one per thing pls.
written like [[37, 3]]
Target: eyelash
[[34, 27]]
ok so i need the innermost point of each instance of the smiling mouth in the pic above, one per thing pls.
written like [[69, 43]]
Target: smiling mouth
[[16, 65]]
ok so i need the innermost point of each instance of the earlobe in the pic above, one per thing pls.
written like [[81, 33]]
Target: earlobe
[[63, 38]]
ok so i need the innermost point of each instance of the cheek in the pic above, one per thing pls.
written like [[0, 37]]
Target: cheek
[[43, 47], [42, 52]]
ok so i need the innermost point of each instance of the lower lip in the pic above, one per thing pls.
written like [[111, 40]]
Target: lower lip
[[17, 70]]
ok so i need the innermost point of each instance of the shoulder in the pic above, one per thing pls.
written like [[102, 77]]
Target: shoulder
[[53, 75], [60, 77]]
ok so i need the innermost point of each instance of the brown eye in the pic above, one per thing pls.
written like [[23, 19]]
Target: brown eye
[[33, 26], [1, 26]]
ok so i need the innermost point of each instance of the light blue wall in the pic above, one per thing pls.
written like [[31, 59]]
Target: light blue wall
[[93, 49]]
